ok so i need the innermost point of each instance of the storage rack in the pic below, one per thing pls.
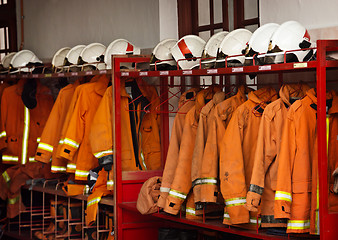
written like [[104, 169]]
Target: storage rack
[[129, 223]]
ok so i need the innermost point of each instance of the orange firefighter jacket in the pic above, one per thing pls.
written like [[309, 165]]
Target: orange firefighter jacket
[[146, 125], [216, 128], [58, 162], [264, 174], [51, 133], [186, 102], [21, 128], [237, 155], [205, 120], [296, 190], [77, 134], [181, 184]]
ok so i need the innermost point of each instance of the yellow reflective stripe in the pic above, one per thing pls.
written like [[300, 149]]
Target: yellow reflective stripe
[[164, 189], [71, 143], [61, 141], [254, 221], [71, 166], [81, 173], [10, 158], [13, 200], [3, 134], [32, 159], [231, 202], [226, 215], [100, 154], [327, 131], [298, 224], [6, 176], [211, 181], [58, 168], [190, 211], [110, 183], [46, 147], [93, 201], [285, 196], [25, 136], [177, 194], [38, 139], [143, 161]]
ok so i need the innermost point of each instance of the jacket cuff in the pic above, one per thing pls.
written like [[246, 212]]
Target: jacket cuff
[[282, 209], [67, 151], [238, 214], [42, 155], [252, 201], [209, 193], [173, 204]]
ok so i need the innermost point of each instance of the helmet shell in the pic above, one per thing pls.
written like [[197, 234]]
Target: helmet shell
[[162, 52], [59, 57], [21, 59], [93, 55]]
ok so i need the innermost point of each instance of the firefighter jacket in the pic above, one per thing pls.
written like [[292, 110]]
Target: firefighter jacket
[[181, 184], [237, 155], [140, 130], [58, 162], [21, 127], [264, 174], [51, 133], [186, 102], [77, 135], [296, 190], [218, 122], [205, 120]]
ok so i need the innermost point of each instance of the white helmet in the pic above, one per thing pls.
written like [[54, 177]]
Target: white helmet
[[93, 55], [259, 43], [232, 45], [211, 48], [73, 55], [187, 51], [6, 61], [59, 57], [162, 52], [291, 35], [120, 47], [23, 58]]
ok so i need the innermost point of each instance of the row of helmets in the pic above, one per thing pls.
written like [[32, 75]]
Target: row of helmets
[[267, 45], [81, 57]]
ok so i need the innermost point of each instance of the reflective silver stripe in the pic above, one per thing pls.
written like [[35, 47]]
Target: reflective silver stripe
[[10, 158], [177, 194], [190, 211], [61, 141], [25, 136], [58, 169], [143, 162], [164, 189], [38, 139], [226, 216], [32, 159], [81, 173], [298, 224], [110, 183], [235, 201], [209, 181], [254, 221], [3, 134], [93, 201], [71, 166], [280, 195], [45, 146], [71, 143], [100, 154], [6, 177]]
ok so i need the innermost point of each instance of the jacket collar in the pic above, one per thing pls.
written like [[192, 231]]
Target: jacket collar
[[22, 82], [241, 93], [203, 96], [263, 96], [101, 85], [216, 99], [334, 108], [289, 91]]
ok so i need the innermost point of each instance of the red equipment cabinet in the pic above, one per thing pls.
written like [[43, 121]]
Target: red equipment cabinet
[[129, 223]]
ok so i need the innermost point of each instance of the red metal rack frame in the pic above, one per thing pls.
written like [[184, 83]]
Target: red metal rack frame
[[129, 223]]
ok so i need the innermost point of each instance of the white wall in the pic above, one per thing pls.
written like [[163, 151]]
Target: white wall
[[52, 24], [168, 19]]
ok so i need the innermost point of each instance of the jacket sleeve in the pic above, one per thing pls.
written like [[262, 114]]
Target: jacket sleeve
[[49, 137], [100, 137], [75, 131], [4, 113], [283, 195], [232, 175], [264, 156]]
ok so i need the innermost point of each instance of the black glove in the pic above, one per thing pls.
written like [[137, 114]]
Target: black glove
[[106, 162]]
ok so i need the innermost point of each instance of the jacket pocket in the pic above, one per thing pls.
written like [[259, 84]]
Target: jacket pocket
[[301, 187]]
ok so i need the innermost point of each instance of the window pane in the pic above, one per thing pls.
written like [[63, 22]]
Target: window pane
[[2, 38], [252, 28], [4, 1], [7, 38], [205, 35], [218, 30], [250, 9], [2, 55], [203, 12], [218, 11]]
